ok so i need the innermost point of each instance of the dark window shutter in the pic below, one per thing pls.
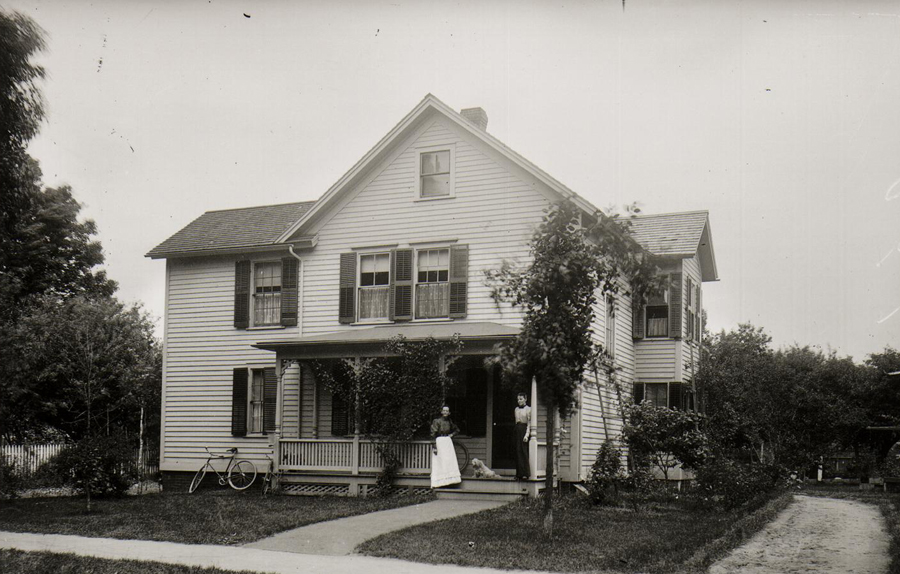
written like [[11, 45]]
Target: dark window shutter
[[340, 416], [270, 398], [675, 305], [239, 402], [459, 278], [675, 396], [402, 284], [241, 294], [347, 295], [638, 320], [290, 268], [698, 331], [689, 307], [637, 393]]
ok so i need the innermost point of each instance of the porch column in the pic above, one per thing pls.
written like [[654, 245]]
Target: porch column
[[354, 449], [533, 439]]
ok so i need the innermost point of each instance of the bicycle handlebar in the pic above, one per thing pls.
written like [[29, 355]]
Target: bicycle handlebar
[[230, 452]]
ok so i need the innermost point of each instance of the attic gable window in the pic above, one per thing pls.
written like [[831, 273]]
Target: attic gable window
[[435, 173]]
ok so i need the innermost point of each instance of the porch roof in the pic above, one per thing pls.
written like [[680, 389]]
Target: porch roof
[[483, 332]]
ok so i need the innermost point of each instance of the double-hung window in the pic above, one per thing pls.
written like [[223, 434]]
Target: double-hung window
[[433, 283], [434, 174], [658, 315], [611, 326], [267, 293], [254, 400], [374, 286]]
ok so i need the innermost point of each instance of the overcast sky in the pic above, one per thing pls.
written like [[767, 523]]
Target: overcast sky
[[781, 118]]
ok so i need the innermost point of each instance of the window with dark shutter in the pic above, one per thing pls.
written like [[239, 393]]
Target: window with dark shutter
[[637, 321], [340, 416], [239, 402], [290, 271], [675, 311], [270, 399], [402, 284], [347, 289], [242, 294], [459, 277]]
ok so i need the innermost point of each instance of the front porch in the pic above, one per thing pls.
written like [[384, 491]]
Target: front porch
[[318, 449], [349, 467]]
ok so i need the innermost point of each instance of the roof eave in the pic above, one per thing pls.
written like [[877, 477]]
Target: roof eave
[[299, 243]]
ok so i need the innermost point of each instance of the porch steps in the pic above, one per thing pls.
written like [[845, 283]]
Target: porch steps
[[501, 490]]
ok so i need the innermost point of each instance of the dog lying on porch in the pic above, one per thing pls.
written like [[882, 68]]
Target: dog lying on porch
[[482, 471]]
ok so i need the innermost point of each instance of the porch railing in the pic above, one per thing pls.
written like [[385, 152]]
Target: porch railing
[[351, 455]]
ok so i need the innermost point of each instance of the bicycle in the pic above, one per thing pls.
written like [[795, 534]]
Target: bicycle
[[270, 480], [239, 474], [462, 456]]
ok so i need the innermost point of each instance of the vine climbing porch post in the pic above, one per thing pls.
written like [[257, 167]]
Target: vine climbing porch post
[[533, 439]]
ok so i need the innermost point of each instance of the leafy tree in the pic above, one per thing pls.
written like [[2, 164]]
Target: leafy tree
[[90, 365], [666, 437], [572, 264], [20, 115]]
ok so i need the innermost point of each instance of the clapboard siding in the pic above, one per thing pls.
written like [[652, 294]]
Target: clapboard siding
[[691, 349], [655, 360], [493, 212], [602, 403], [202, 348]]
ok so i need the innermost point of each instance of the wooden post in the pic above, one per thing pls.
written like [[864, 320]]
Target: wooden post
[[354, 451], [533, 439]]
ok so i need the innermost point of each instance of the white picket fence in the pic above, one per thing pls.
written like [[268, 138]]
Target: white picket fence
[[27, 458]]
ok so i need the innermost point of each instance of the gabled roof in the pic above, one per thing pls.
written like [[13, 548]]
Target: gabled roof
[[427, 106], [233, 229], [678, 235]]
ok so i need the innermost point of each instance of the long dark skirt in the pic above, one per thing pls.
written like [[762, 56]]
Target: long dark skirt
[[522, 470]]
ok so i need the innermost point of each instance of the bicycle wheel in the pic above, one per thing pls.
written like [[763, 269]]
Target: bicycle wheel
[[242, 475], [462, 456], [198, 478]]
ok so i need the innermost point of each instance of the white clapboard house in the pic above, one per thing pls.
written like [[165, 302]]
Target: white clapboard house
[[398, 246]]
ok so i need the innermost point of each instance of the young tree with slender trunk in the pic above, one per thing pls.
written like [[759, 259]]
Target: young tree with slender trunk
[[572, 265]]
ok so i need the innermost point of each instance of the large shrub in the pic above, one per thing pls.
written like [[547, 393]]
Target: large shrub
[[11, 481], [98, 466], [606, 476], [666, 437], [726, 483]]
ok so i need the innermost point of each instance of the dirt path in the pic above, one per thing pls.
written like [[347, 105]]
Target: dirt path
[[822, 535]]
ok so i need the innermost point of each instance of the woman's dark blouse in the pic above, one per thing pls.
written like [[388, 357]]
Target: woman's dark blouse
[[443, 427]]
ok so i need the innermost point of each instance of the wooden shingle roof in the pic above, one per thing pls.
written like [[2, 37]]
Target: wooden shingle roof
[[670, 234], [230, 229], [681, 235]]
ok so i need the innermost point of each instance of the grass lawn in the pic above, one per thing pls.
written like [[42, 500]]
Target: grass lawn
[[43, 562], [206, 517], [661, 539], [887, 502]]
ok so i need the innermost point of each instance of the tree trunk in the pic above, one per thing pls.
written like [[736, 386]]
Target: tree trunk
[[548, 480]]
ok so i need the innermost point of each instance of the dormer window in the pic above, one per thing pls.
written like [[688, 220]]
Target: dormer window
[[435, 173]]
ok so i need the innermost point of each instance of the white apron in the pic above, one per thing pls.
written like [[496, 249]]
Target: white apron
[[444, 467]]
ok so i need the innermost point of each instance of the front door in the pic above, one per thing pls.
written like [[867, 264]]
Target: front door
[[503, 436]]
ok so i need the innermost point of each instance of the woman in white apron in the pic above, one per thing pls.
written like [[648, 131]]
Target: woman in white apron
[[444, 466]]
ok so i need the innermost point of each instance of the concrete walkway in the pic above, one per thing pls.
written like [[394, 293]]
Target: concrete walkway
[[227, 557], [340, 537]]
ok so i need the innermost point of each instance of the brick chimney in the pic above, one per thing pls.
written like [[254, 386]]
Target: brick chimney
[[476, 116]]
